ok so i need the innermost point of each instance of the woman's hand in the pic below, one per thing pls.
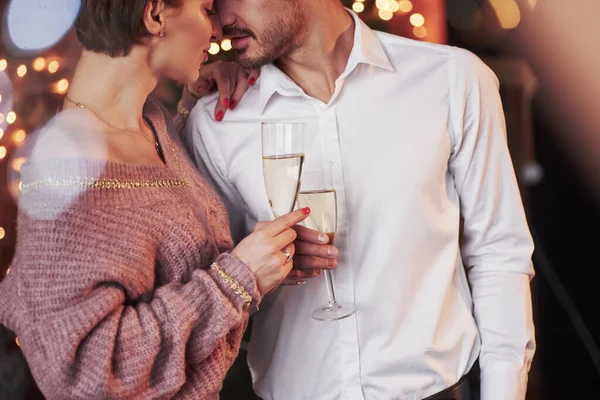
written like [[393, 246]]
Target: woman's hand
[[231, 81], [269, 250]]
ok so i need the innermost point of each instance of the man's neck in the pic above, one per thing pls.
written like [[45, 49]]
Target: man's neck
[[323, 54]]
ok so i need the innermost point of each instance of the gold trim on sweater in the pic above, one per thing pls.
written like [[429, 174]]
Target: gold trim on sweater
[[102, 183], [232, 283]]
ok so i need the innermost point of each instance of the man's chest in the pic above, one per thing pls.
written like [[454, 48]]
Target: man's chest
[[383, 144]]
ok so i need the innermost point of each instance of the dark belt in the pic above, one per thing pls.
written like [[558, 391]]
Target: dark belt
[[467, 388]]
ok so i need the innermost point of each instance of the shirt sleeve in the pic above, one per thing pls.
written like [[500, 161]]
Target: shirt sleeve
[[206, 156], [497, 245]]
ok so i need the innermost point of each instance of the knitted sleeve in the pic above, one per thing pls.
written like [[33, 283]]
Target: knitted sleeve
[[97, 325]]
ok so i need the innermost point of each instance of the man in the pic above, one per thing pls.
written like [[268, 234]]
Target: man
[[416, 135]]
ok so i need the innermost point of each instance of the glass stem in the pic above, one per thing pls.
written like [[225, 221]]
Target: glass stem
[[330, 292]]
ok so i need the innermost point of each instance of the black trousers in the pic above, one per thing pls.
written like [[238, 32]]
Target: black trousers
[[467, 388]]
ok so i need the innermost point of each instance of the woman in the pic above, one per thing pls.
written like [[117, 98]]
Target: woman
[[124, 284]]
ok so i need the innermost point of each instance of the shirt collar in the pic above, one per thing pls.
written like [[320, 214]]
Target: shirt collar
[[367, 49]]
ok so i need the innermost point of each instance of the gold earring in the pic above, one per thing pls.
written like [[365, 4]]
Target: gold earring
[[161, 33]]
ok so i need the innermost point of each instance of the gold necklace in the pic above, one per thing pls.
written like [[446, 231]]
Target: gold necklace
[[155, 143]]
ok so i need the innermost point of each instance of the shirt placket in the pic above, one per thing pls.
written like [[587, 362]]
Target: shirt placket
[[343, 281]]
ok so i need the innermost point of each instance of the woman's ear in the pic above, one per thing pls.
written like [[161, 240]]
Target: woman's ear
[[154, 19]]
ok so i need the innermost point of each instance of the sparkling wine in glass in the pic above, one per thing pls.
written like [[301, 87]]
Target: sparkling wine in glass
[[282, 160], [319, 194]]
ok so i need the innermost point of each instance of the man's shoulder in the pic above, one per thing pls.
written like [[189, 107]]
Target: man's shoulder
[[400, 50]]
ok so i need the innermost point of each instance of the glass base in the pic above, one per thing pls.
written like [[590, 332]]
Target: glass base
[[333, 311]]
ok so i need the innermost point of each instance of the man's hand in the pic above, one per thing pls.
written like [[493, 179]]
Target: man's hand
[[313, 254], [229, 78]]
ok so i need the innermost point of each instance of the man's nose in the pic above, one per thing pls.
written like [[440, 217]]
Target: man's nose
[[224, 11], [217, 29]]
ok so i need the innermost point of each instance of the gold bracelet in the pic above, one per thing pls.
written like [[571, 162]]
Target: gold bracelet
[[184, 112], [232, 283]]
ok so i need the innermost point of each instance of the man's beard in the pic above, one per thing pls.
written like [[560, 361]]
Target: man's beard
[[276, 39]]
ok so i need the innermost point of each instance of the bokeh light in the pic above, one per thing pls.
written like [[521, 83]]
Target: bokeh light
[[420, 31], [405, 6], [226, 44], [19, 136], [214, 48], [11, 117], [508, 13], [39, 64], [417, 19], [21, 70], [62, 86], [358, 7], [37, 24], [385, 15], [18, 162], [53, 67]]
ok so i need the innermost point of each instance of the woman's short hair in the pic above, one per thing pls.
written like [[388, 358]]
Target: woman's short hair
[[113, 26]]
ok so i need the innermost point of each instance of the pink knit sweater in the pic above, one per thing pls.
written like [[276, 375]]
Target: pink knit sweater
[[113, 292]]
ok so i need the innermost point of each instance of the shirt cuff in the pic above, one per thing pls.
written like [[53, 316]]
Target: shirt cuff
[[503, 379]]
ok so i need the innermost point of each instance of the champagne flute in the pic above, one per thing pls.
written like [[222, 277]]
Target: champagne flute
[[319, 194], [282, 160]]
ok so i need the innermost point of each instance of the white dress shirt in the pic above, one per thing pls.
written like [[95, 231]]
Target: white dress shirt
[[416, 134]]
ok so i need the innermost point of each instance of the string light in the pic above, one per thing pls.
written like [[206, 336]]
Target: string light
[[20, 186], [8, 270], [0, 98], [21, 70], [2, 236], [39, 64], [18, 163], [214, 48], [420, 31], [385, 15], [53, 67], [2, 152], [358, 7], [417, 19], [226, 44], [3, 65], [508, 13], [19, 137], [11, 117], [405, 6], [1, 133], [17, 342], [62, 86]]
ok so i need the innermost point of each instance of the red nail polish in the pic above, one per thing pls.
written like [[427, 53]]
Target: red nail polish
[[306, 210], [232, 105], [226, 103], [251, 81], [220, 116]]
